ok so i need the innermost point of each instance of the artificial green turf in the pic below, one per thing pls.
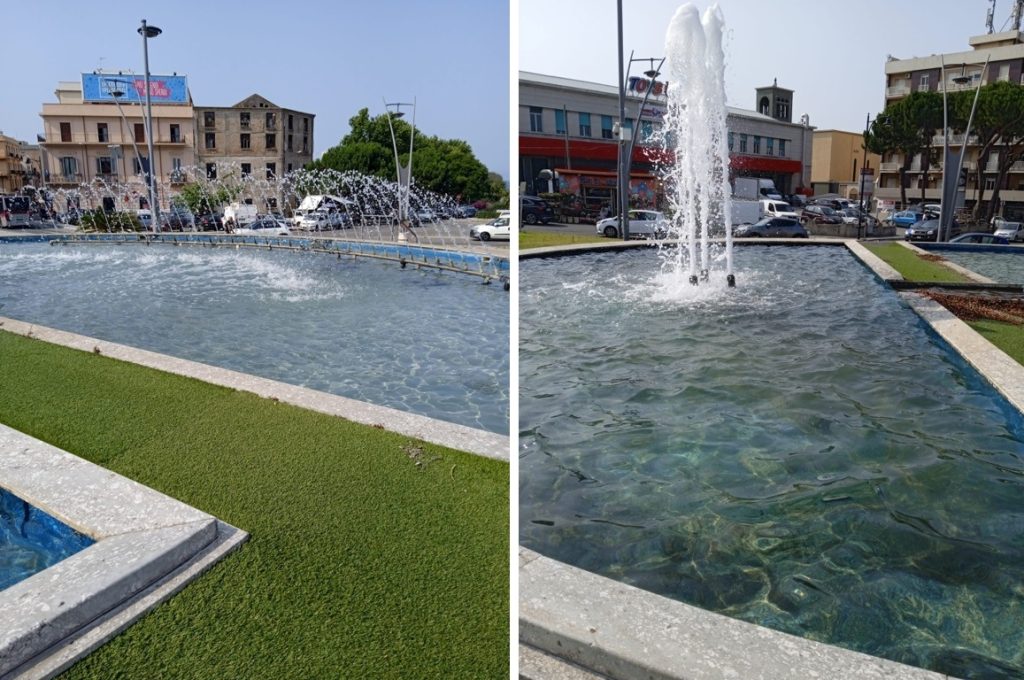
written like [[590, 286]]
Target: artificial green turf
[[540, 239], [360, 564], [1006, 336], [913, 267]]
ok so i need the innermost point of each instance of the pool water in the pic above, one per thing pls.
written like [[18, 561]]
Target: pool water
[[427, 342], [1006, 267], [31, 540], [799, 452]]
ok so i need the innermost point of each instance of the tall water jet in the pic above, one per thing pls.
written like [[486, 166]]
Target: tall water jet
[[695, 131]]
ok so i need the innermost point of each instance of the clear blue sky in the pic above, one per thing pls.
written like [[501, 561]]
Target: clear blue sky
[[830, 52], [326, 58]]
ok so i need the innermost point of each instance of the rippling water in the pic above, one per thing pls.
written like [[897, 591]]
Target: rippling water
[[1000, 267], [420, 341], [31, 540], [799, 452]]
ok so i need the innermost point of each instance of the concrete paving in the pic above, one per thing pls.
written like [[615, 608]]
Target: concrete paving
[[142, 538]]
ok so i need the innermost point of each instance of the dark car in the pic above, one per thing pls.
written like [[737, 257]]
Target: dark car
[[465, 211], [981, 237], [928, 230], [210, 222], [535, 210], [820, 214], [773, 227]]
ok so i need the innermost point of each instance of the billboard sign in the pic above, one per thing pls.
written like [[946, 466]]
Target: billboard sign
[[130, 88]]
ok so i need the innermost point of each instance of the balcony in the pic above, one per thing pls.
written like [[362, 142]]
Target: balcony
[[182, 140], [897, 91], [889, 167], [1017, 166]]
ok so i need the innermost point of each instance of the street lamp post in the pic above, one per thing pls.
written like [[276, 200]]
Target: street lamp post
[[404, 173], [148, 32], [626, 154], [951, 191], [114, 86]]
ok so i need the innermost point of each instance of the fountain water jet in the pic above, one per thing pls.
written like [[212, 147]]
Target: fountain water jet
[[695, 130]]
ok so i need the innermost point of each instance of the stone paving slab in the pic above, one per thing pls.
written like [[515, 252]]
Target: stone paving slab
[[454, 436], [141, 537], [627, 633]]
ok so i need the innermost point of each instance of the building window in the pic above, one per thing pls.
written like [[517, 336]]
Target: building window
[[305, 125], [289, 146], [175, 133], [305, 144], [646, 131], [536, 119], [271, 120], [102, 135], [271, 170], [606, 127], [290, 121], [730, 141], [176, 165], [990, 184], [782, 147], [271, 141], [243, 120], [65, 132], [211, 171], [246, 169], [770, 148], [244, 140], [104, 165], [585, 125], [140, 132], [743, 143], [211, 140], [209, 119], [560, 128], [923, 84], [289, 167], [137, 165], [757, 144], [69, 165], [1004, 72]]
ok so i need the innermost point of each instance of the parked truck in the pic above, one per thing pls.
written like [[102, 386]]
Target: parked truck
[[755, 189], [745, 211]]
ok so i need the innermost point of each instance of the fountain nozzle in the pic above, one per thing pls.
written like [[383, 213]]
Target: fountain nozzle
[[730, 280]]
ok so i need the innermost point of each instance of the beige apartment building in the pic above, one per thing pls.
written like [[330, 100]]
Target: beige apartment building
[[99, 136], [19, 164], [264, 139], [963, 71], [837, 161]]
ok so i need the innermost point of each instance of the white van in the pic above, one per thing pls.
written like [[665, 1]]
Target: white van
[[772, 208], [240, 214]]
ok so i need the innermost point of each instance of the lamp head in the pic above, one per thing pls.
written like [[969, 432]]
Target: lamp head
[[149, 31]]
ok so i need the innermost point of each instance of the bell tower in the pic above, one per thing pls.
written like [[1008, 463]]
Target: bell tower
[[775, 101]]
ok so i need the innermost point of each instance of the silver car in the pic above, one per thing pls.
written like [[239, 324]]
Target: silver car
[[642, 223]]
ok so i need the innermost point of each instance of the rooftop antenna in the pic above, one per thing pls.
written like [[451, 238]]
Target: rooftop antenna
[[990, 16]]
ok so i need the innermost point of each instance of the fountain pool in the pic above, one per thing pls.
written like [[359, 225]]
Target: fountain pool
[[31, 540], [799, 452], [430, 343]]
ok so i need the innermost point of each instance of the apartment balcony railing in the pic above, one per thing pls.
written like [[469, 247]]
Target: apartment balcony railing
[[897, 91], [954, 140], [889, 167], [1017, 166], [80, 139]]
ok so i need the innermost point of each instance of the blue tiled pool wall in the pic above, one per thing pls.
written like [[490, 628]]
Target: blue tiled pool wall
[[32, 540]]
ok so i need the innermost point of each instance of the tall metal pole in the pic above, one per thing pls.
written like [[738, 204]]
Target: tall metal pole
[[943, 208], [154, 209], [963, 147], [860, 216], [623, 177]]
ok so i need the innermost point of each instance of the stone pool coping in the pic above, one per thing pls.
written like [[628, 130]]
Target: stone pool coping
[[626, 633], [460, 437], [148, 546]]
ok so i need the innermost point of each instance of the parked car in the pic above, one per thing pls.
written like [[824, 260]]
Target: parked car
[[465, 211], [1011, 231], [928, 230], [425, 215], [535, 210], [321, 220], [265, 226], [906, 218], [773, 227], [642, 223], [981, 237], [179, 218], [210, 222], [819, 214], [497, 229]]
